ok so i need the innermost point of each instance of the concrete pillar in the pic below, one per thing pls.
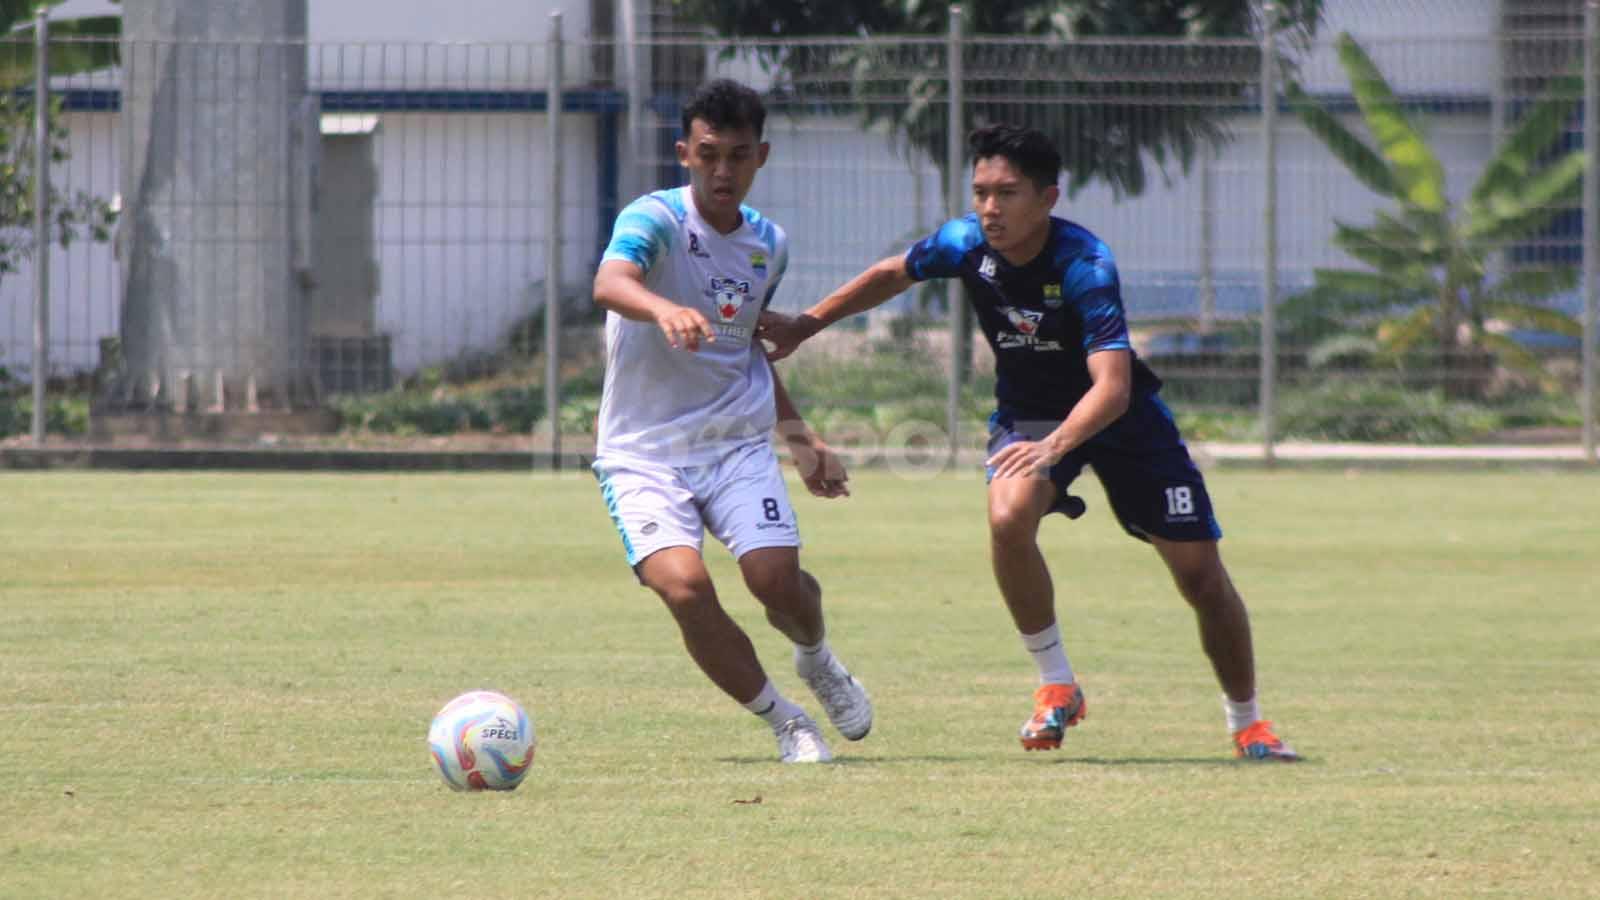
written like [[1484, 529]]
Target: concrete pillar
[[218, 161]]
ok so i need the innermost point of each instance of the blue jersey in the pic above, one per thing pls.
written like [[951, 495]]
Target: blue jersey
[[1044, 318]]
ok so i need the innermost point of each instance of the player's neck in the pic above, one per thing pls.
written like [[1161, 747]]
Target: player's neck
[[1027, 251], [725, 223]]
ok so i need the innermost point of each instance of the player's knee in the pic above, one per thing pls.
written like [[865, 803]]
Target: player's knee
[[686, 596], [777, 581], [1205, 587], [1012, 523]]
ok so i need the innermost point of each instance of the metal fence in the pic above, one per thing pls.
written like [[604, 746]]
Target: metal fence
[[404, 214]]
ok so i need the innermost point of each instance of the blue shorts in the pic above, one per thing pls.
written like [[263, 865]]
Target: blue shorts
[[1142, 463]]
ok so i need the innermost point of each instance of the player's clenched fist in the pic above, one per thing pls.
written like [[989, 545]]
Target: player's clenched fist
[[684, 328]]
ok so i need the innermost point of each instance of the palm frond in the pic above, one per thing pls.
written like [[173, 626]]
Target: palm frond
[[1536, 284], [1524, 150], [1379, 247], [1533, 207], [1417, 170], [1362, 161], [1511, 354], [1399, 336], [1331, 350], [1531, 316]]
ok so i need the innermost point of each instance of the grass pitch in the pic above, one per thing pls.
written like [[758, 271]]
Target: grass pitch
[[219, 685]]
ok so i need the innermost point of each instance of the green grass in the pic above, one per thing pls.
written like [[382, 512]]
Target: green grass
[[219, 685]]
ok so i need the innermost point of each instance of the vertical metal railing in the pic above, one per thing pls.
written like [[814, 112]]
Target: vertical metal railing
[[955, 203], [41, 221], [1591, 221], [1269, 256], [552, 276]]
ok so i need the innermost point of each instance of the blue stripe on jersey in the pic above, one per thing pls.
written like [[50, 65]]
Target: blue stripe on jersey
[[939, 255], [1090, 278], [769, 234], [673, 198], [1104, 326], [645, 228], [762, 226], [1093, 271]]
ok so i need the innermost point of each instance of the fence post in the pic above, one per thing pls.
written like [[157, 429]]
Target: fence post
[[41, 219], [635, 81], [955, 202], [1208, 239], [1591, 222], [1269, 265], [553, 223]]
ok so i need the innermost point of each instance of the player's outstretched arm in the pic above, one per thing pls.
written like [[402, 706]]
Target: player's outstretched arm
[[880, 282], [619, 287], [820, 468]]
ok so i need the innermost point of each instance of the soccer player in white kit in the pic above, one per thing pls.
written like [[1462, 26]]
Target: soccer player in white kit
[[686, 416]]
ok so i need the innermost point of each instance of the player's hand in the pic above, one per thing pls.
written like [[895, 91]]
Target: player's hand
[[784, 334], [685, 328], [820, 468], [1024, 459]]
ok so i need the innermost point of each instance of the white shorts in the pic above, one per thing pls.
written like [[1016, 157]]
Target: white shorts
[[741, 499]]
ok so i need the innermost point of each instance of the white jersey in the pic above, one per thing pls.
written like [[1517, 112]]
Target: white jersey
[[671, 405]]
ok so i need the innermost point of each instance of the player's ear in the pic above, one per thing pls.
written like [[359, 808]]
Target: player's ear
[[1051, 195], [683, 153], [761, 153]]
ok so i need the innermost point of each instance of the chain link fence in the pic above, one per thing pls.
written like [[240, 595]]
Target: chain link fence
[[391, 218]]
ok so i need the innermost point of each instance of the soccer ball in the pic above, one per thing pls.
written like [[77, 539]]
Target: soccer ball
[[482, 741]]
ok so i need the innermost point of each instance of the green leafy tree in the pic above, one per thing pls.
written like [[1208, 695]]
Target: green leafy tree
[[1112, 107], [1426, 294], [74, 215], [92, 44]]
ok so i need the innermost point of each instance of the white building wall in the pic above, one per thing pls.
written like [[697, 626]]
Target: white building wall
[[461, 226]]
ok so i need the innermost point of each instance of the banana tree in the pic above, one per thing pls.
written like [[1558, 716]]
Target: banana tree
[[1427, 290]]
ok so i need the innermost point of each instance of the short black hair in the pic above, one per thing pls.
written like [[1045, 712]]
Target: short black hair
[[723, 104], [1030, 150]]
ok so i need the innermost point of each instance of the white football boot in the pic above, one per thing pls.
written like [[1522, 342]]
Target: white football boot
[[842, 698], [800, 741]]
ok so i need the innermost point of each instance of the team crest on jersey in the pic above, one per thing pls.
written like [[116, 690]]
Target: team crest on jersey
[[758, 261], [729, 295], [1052, 296]]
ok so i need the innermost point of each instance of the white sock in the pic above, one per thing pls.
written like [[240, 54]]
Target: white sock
[[1050, 655], [772, 707], [809, 658], [1241, 714]]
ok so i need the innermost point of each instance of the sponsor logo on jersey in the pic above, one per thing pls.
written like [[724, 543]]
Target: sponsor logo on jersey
[[1026, 323], [694, 246], [986, 269], [1052, 296], [729, 296]]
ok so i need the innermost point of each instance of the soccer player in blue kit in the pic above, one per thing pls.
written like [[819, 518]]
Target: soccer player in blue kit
[[1070, 392]]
